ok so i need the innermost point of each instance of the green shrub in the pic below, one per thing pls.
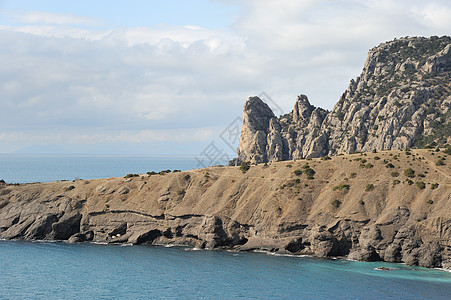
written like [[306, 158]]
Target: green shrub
[[310, 172], [181, 192], [396, 181], [325, 157], [409, 173], [297, 172], [429, 201], [245, 166], [151, 173], [361, 202], [289, 166], [70, 188], [421, 175], [353, 175], [394, 174], [368, 166], [369, 187], [176, 171], [434, 186], [389, 166], [410, 182], [341, 186], [336, 203], [447, 150], [420, 185], [306, 166], [377, 158], [131, 175], [440, 162], [187, 177], [2, 181]]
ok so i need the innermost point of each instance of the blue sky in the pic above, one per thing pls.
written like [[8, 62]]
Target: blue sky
[[137, 13], [168, 77]]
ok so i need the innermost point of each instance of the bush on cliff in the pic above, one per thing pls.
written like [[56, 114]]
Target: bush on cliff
[[409, 173], [245, 166]]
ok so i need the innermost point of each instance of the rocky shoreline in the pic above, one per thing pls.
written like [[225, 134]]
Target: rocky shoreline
[[347, 208]]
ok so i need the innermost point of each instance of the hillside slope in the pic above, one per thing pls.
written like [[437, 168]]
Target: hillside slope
[[401, 99], [363, 206]]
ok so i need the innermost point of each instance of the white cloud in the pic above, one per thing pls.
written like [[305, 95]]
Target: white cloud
[[44, 17], [163, 83]]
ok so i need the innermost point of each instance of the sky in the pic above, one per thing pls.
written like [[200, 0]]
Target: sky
[[171, 77]]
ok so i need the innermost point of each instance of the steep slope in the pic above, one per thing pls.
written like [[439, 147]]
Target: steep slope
[[363, 206], [401, 99]]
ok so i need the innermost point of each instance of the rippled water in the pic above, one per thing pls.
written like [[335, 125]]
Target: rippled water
[[58, 270], [22, 168]]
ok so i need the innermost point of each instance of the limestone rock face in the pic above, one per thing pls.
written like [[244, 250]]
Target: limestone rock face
[[401, 99], [260, 134]]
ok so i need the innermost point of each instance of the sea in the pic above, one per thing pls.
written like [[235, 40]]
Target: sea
[[55, 270]]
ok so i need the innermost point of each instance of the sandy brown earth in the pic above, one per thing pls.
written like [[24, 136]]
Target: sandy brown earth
[[355, 206]]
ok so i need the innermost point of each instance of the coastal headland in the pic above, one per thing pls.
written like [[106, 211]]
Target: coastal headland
[[387, 205]]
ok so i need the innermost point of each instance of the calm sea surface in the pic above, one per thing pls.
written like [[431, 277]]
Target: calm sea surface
[[24, 168], [38, 270]]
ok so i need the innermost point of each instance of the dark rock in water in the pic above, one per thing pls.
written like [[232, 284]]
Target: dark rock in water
[[367, 253], [67, 226], [18, 228], [383, 269], [77, 238], [41, 227], [429, 255], [144, 236], [295, 246]]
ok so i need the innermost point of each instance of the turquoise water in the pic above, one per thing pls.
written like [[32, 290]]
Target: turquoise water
[[37, 270], [87, 271], [22, 168]]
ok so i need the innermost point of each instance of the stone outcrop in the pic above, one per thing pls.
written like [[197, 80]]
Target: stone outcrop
[[277, 207], [401, 99]]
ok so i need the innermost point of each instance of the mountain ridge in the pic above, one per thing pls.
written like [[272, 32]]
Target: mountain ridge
[[401, 99]]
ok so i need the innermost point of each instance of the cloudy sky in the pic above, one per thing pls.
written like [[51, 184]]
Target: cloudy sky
[[168, 77]]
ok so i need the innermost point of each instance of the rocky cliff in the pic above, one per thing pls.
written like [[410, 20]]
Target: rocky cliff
[[401, 99], [392, 205]]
